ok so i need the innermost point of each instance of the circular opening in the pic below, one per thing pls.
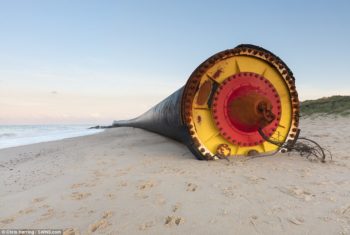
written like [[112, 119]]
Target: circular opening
[[244, 103], [245, 108]]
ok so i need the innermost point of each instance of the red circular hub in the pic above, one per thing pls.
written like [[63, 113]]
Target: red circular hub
[[237, 108]]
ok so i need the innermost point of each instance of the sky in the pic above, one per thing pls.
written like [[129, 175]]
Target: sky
[[66, 62]]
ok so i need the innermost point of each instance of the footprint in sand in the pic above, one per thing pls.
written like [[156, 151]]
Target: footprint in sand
[[102, 223], [344, 211], [297, 192], [145, 185], [44, 206], [79, 196], [79, 185], [111, 196], [191, 187], [171, 220], [39, 199], [255, 179], [146, 225], [229, 191], [71, 231], [296, 221], [7, 220], [47, 215], [176, 207], [26, 211], [107, 214]]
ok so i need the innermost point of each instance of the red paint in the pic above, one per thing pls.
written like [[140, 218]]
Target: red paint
[[238, 87]]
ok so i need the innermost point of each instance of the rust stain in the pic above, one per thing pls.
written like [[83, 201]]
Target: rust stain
[[223, 150], [217, 73], [199, 119], [204, 92]]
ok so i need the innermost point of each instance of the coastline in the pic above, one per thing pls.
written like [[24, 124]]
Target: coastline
[[20, 135], [130, 181]]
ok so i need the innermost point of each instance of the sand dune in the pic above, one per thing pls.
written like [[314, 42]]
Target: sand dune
[[129, 181]]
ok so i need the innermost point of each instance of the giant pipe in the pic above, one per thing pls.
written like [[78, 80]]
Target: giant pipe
[[229, 105]]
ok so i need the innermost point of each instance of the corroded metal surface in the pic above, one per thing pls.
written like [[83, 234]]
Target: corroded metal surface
[[226, 101]]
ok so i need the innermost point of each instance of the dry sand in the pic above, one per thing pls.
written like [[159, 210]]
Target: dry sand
[[129, 181]]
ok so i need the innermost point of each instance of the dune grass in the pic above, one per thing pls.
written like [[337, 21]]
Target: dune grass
[[337, 105]]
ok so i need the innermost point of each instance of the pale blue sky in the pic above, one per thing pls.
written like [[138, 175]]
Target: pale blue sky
[[95, 61]]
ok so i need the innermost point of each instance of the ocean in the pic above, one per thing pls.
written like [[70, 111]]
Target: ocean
[[17, 135]]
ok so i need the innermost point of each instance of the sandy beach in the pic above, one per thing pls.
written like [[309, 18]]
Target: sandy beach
[[130, 181]]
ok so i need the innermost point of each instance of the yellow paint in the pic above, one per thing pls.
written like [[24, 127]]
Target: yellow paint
[[206, 130]]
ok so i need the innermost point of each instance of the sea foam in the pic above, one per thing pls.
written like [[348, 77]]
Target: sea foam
[[17, 135]]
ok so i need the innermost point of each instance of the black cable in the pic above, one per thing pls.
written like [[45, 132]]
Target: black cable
[[303, 149]]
